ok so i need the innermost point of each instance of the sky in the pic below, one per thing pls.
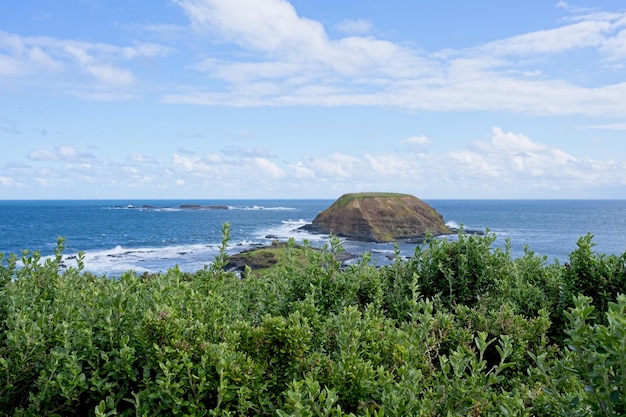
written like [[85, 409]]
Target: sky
[[255, 99]]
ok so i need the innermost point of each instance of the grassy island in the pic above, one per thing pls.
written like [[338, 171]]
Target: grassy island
[[347, 198], [459, 328], [380, 217]]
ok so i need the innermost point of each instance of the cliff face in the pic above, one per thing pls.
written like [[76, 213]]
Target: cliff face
[[380, 217]]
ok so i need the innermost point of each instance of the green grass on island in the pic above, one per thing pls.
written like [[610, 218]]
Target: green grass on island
[[276, 255], [347, 198]]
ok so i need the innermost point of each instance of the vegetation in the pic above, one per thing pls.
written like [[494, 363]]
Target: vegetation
[[346, 198], [459, 328], [262, 258]]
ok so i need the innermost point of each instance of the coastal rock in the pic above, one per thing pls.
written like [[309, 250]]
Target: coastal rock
[[201, 207], [264, 257], [379, 217]]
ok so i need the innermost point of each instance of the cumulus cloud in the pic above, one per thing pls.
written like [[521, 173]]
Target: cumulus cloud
[[337, 165], [141, 159], [287, 59], [7, 181], [395, 166], [60, 153], [301, 171], [265, 167], [514, 157], [209, 166], [508, 143], [505, 165], [354, 27], [295, 62], [264, 25], [416, 143], [43, 60]]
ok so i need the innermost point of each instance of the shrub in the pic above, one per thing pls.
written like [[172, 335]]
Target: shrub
[[457, 329]]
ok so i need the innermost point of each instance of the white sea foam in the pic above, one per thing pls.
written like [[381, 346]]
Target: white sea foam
[[255, 207], [453, 225], [288, 229], [196, 207], [141, 208], [245, 243], [120, 259], [383, 251]]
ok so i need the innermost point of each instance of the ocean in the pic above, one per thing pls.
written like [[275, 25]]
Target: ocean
[[156, 235]]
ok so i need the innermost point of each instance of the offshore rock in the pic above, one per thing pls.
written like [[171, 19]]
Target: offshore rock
[[380, 217], [266, 257]]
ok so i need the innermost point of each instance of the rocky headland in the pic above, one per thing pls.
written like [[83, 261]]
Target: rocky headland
[[380, 217]]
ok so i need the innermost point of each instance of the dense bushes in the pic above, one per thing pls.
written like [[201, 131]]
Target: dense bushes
[[459, 328]]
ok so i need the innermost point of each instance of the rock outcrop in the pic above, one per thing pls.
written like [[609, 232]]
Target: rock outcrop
[[379, 217], [265, 257]]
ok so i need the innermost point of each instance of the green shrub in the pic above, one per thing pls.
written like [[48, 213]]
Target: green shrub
[[459, 328], [594, 275], [599, 354]]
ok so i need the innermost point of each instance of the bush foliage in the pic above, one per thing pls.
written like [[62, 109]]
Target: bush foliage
[[459, 328]]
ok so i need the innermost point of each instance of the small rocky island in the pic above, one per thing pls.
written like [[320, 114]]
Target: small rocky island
[[379, 217]]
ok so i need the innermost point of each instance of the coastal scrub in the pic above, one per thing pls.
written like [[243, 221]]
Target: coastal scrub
[[459, 328]]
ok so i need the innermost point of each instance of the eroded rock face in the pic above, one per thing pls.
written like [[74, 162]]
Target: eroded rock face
[[380, 217]]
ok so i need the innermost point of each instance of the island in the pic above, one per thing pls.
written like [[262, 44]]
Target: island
[[379, 217]]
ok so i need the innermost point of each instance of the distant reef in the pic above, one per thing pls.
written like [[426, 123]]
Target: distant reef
[[379, 217], [201, 207]]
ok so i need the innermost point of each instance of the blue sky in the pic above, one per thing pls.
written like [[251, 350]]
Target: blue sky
[[312, 99]]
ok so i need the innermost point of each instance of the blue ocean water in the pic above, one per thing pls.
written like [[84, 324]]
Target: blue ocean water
[[155, 235]]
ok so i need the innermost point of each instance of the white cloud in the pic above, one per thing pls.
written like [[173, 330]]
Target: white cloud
[[354, 27], [60, 153], [615, 47], [273, 27], [416, 143], [47, 61], [265, 167], [513, 157], [43, 59], [510, 143], [506, 165], [287, 59], [145, 50], [611, 126], [301, 171], [293, 61], [396, 166], [336, 165], [585, 34], [141, 159], [111, 75], [7, 182], [11, 67], [267, 25]]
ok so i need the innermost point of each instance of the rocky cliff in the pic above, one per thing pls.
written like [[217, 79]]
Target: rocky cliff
[[379, 217]]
